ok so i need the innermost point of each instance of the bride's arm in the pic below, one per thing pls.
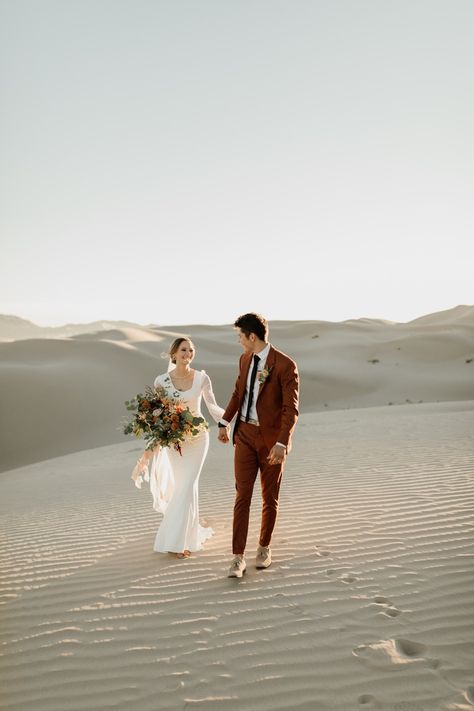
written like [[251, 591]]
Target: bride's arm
[[141, 467], [215, 411]]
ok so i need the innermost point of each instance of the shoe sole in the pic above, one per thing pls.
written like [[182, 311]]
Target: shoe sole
[[236, 575]]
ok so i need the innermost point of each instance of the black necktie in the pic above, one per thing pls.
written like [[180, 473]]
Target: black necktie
[[252, 383]]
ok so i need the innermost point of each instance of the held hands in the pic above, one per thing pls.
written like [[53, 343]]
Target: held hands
[[277, 454], [223, 434]]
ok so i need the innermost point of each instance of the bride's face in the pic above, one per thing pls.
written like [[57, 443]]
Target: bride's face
[[185, 353]]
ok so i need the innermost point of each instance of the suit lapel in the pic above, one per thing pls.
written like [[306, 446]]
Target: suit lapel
[[245, 372], [270, 364]]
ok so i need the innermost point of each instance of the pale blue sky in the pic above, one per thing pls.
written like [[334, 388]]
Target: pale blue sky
[[186, 161]]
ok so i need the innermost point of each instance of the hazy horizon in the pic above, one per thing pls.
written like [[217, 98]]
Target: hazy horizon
[[162, 324], [187, 162]]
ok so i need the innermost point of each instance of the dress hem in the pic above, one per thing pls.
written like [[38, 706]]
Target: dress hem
[[204, 535]]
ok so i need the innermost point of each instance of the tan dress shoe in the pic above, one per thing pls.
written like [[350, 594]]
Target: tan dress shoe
[[264, 557], [237, 567]]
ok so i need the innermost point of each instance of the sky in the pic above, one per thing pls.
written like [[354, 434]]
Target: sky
[[187, 161]]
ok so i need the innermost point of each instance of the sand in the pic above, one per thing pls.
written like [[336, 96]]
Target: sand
[[369, 602], [63, 393]]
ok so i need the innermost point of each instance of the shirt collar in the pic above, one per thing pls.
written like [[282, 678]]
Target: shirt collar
[[263, 355]]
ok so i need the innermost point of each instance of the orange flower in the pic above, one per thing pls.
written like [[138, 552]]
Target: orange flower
[[159, 419]]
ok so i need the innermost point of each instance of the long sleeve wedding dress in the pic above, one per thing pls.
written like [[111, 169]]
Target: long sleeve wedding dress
[[174, 478]]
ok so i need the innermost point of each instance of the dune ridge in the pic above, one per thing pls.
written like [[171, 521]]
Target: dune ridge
[[66, 393]]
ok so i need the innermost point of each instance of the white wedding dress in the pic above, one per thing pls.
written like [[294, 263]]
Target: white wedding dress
[[174, 478]]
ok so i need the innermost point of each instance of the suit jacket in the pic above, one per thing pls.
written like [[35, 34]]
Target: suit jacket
[[277, 400]]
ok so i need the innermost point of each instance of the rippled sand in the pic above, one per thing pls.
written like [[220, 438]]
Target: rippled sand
[[368, 605]]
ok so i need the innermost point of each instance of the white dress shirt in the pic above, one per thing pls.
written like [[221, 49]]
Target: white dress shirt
[[261, 364]]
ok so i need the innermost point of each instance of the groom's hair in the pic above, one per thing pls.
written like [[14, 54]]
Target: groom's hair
[[253, 323]]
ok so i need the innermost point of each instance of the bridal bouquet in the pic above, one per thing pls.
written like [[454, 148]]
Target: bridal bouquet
[[161, 420]]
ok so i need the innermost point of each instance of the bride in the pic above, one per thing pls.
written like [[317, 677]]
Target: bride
[[174, 477]]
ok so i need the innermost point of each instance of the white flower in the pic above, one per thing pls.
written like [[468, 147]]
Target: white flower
[[263, 375]]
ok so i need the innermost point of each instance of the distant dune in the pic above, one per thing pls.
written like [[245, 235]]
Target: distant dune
[[13, 327], [63, 388], [459, 315]]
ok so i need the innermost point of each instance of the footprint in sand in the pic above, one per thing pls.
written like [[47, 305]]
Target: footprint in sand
[[348, 578], [292, 607], [295, 609], [393, 654], [322, 553], [388, 608], [410, 649], [367, 701], [469, 694]]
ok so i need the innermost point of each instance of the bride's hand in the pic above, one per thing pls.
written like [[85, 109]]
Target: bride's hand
[[146, 456], [142, 463], [140, 466]]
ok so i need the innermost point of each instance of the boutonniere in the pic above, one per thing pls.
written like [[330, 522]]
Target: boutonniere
[[263, 375]]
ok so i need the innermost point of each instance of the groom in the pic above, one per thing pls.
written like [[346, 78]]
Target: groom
[[265, 403]]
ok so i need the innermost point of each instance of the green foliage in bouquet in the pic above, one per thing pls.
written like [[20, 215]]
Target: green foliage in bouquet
[[161, 420]]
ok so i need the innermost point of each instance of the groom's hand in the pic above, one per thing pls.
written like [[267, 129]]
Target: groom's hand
[[223, 434], [277, 454]]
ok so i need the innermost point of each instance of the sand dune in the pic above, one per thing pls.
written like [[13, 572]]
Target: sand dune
[[368, 604], [458, 315], [65, 392], [13, 327]]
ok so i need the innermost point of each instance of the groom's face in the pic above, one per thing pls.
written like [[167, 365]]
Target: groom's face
[[247, 342]]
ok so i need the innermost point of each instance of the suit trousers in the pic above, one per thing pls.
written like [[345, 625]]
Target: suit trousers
[[250, 457]]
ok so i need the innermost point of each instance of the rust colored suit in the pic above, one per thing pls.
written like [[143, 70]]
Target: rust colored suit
[[277, 409]]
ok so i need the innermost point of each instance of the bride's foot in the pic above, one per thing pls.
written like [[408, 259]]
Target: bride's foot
[[184, 554]]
